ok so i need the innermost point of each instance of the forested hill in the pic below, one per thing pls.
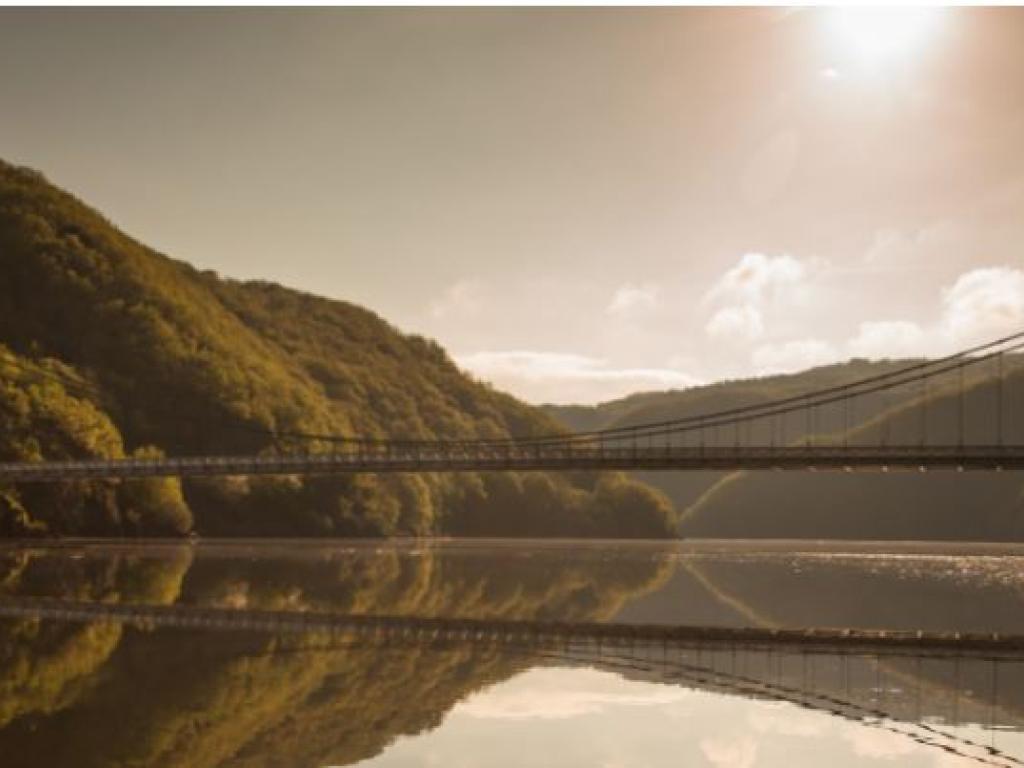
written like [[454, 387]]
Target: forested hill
[[644, 407], [686, 488], [109, 348], [986, 506], [934, 505]]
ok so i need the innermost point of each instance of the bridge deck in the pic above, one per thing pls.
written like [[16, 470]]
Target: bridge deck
[[485, 459]]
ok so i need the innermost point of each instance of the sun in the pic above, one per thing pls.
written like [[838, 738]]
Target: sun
[[876, 37]]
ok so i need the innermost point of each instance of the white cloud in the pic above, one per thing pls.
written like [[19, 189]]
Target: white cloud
[[735, 754], [991, 225], [765, 314], [888, 339], [980, 305], [791, 356], [632, 300], [558, 694], [551, 377], [736, 323], [877, 744], [559, 705], [757, 279], [765, 295], [894, 249], [462, 299], [983, 304], [786, 722]]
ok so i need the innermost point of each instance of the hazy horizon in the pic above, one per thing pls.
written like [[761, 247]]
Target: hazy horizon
[[578, 204]]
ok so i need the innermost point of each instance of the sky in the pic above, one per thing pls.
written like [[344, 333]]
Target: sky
[[590, 717], [577, 203]]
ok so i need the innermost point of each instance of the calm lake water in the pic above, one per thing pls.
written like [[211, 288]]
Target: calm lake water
[[111, 690]]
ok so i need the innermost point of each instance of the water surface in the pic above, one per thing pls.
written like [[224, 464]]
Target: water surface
[[116, 692]]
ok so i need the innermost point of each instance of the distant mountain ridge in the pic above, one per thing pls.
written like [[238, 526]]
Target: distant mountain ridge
[[108, 347], [983, 506]]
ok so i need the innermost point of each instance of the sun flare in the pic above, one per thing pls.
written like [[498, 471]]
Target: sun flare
[[877, 36]]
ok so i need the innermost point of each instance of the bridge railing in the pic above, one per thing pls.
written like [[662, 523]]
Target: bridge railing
[[441, 458]]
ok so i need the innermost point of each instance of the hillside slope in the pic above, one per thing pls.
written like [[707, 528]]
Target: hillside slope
[[172, 359], [937, 505], [986, 506], [687, 488]]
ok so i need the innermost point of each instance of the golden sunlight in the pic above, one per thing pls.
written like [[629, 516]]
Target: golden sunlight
[[875, 37]]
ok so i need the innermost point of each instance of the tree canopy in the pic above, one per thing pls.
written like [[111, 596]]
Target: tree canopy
[[112, 348]]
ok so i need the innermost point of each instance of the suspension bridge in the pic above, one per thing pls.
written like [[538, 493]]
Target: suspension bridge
[[960, 412]]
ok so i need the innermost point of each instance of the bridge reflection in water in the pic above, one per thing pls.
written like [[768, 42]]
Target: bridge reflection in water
[[921, 696], [921, 687]]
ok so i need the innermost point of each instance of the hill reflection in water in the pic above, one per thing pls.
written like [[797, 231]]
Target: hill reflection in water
[[116, 693]]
